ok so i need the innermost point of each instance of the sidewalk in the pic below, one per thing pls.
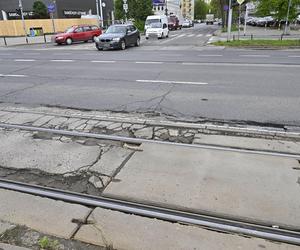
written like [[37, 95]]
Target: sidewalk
[[256, 33], [13, 41]]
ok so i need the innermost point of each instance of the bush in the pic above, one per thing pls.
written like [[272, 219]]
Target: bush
[[140, 25]]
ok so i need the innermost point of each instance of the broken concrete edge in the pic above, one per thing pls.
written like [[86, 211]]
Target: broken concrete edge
[[21, 237], [240, 130]]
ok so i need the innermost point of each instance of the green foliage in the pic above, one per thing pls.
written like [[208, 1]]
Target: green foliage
[[277, 8], [46, 243], [140, 24], [201, 9], [40, 10], [137, 9]]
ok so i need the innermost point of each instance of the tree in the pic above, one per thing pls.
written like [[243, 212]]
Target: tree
[[277, 8], [201, 9], [137, 10], [40, 10], [217, 8]]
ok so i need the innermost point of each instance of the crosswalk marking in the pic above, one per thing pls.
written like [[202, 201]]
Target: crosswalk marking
[[199, 35], [190, 35]]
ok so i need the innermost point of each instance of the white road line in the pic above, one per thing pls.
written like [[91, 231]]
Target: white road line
[[182, 35], [24, 60], [208, 35], [3, 75], [265, 65], [210, 55], [103, 61], [171, 39], [61, 54], [61, 60], [294, 56], [149, 62], [254, 55], [190, 35], [32, 54], [199, 35], [172, 82]]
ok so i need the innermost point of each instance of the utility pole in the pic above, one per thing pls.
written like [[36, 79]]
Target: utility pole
[[52, 16], [97, 9], [101, 13], [287, 18], [23, 21], [229, 20]]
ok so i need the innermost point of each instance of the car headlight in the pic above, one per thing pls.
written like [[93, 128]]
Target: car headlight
[[96, 39], [116, 39]]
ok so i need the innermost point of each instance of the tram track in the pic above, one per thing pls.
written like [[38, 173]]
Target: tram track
[[138, 141], [210, 222]]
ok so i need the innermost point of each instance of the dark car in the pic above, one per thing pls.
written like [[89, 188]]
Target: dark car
[[118, 37], [173, 23], [77, 33]]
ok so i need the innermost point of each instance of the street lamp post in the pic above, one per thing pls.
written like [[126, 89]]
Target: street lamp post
[[23, 21], [287, 18], [97, 9], [101, 13]]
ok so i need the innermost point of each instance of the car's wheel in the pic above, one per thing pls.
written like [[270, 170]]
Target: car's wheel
[[147, 38], [98, 48], [69, 41], [123, 45], [167, 36], [138, 42]]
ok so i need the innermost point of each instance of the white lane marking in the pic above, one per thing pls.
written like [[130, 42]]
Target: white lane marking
[[103, 61], [61, 60], [254, 55], [243, 65], [190, 35], [61, 54], [5, 54], [208, 35], [199, 35], [3, 75], [212, 55], [149, 62], [24, 60], [294, 56], [171, 39], [173, 82], [32, 54]]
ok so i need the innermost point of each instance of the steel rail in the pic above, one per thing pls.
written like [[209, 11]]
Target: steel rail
[[214, 223], [140, 141]]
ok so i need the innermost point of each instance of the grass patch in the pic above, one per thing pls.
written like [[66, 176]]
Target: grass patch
[[233, 28], [260, 43]]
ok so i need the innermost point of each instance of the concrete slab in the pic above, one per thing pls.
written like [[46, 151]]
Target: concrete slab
[[19, 150], [125, 231], [5, 226], [246, 186], [4, 246], [249, 143], [41, 214]]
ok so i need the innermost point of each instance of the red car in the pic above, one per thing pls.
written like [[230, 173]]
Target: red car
[[77, 33], [173, 23]]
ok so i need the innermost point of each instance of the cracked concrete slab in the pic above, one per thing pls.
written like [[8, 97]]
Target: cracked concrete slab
[[42, 214], [248, 143], [111, 160], [124, 231], [20, 150], [249, 187]]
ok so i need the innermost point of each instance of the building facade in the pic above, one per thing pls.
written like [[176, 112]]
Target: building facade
[[64, 8], [169, 7], [187, 8]]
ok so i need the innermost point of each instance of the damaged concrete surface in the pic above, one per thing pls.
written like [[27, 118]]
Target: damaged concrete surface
[[250, 187], [79, 165], [125, 231], [44, 215]]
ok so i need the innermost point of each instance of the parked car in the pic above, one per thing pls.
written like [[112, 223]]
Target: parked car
[[118, 36], [77, 33]]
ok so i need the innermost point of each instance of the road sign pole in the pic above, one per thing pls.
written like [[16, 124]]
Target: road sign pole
[[287, 18], [245, 21], [239, 21], [52, 17], [229, 21], [23, 20], [97, 10]]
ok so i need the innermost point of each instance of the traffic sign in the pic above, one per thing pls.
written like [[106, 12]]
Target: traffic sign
[[125, 6], [240, 1], [124, 1], [51, 7]]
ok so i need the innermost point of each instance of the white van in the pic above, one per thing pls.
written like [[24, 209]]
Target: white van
[[156, 26]]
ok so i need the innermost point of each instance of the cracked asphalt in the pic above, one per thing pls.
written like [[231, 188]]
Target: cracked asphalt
[[190, 83]]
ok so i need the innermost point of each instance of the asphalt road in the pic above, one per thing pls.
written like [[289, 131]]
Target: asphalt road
[[178, 77]]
